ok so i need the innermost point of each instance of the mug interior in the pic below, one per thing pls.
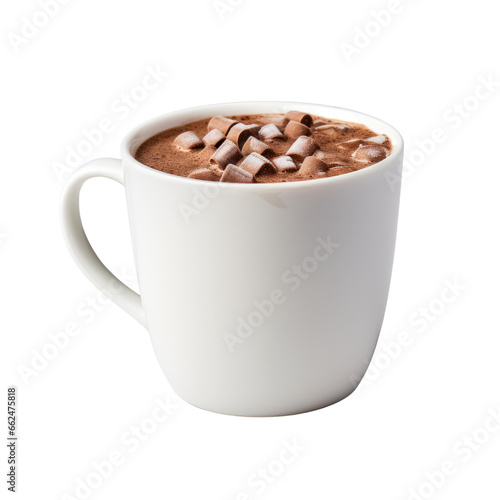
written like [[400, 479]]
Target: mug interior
[[182, 117]]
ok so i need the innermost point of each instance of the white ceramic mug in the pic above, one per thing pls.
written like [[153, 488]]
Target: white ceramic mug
[[261, 300]]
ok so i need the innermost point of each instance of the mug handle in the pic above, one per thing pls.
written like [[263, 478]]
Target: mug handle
[[79, 245]]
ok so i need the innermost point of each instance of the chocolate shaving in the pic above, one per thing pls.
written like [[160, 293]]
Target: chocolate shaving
[[339, 127], [253, 145], [332, 172], [257, 164], [204, 174], [284, 164], [221, 123], [207, 153], [378, 139], [239, 134], [253, 128], [302, 147], [370, 153], [313, 166], [214, 138], [296, 129], [298, 116], [279, 120], [187, 141], [227, 153], [270, 131], [332, 159], [236, 174]]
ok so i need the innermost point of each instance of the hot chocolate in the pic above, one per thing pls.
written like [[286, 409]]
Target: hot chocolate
[[264, 148]]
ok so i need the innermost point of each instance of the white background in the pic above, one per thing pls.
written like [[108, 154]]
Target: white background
[[418, 404]]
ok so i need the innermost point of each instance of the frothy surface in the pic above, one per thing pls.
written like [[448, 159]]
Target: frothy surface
[[264, 148]]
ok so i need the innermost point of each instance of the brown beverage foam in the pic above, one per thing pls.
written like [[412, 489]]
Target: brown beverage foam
[[297, 147]]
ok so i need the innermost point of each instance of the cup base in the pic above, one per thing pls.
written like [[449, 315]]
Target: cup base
[[265, 412]]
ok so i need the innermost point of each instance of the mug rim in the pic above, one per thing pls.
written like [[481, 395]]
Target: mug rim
[[131, 139]]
